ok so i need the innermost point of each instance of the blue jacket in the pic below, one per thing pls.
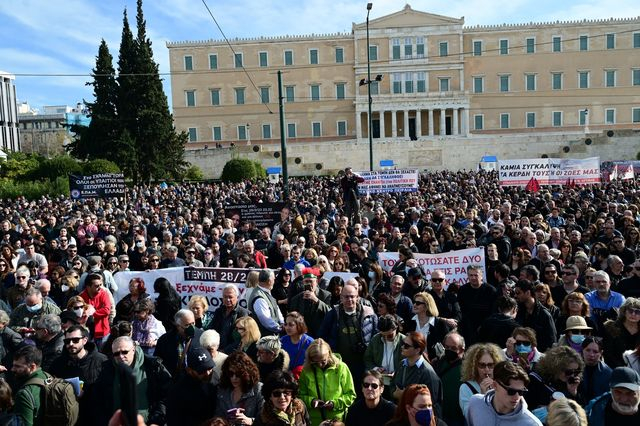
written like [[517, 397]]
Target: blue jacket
[[596, 408], [595, 381], [368, 325]]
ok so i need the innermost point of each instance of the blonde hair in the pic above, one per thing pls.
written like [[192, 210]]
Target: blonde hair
[[432, 308], [252, 279], [198, 299], [319, 347], [566, 412], [252, 332]]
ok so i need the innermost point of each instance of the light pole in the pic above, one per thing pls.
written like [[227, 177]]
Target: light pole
[[369, 6]]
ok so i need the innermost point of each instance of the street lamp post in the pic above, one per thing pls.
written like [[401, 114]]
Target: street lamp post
[[369, 6]]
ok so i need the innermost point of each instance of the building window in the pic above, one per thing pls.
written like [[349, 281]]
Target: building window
[[444, 84], [313, 56], [264, 95], [635, 115], [556, 118], [584, 43], [395, 48], [582, 117], [477, 48], [635, 77], [610, 78], [478, 84], [636, 40], [530, 82], [408, 83], [397, 83], [531, 119], [242, 132], [340, 90], [556, 43], [339, 55], [531, 45], [213, 61], [264, 59], [610, 116], [556, 80], [215, 96], [342, 128], [315, 92], [190, 96], [291, 130], [193, 134], [288, 57], [239, 95], [611, 41], [408, 48], [421, 79], [188, 63], [266, 131], [504, 47], [373, 53], [504, 121], [444, 48], [217, 133], [478, 122], [504, 83], [238, 62], [316, 129], [420, 47], [290, 93], [375, 87], [583, 79]]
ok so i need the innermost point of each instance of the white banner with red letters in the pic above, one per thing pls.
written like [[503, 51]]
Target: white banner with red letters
[[453, 263], [380, 181], [207, 282], [549, 171]]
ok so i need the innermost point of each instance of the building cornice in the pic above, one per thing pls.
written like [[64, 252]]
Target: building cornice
[[549, 24], [262, 39]]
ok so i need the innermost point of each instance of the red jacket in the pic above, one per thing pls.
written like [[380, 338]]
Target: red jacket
[[259, 258], [102, 305]]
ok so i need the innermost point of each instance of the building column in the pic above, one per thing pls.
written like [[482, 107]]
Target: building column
[[394, 124], [406, 123], [465, 121], [454, 131], [381, 115], [359, 126], [443, 123], [430, 121], [418, 123]]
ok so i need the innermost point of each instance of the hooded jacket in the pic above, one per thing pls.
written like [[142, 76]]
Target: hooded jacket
[[480, 412]]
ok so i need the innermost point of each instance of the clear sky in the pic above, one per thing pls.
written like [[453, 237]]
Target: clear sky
[[62, 36]]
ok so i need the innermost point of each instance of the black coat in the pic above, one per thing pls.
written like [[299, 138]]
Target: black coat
[[51, 350], [436, 334], [225, 325], [542, 322], [190, 402], [497, 329], [167, 350]]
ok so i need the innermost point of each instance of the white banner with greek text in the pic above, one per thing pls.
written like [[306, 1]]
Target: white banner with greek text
[[388, 181], [549, 171]]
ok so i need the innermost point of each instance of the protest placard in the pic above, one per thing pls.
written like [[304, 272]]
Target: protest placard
[[97, 186], [388, 181], [263, 214], [549, 171]]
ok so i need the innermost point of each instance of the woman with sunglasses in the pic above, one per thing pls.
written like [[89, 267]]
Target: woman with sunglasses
[[522, 348], [239, 398], [326, 384], [596, 376], [427, 321], [281, 405], [416, 408], [476, 373], [560, 370], [517, 261], [623, 333]]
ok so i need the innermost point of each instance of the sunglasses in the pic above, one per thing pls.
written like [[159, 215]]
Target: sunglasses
[[71, 340], [417, 302], [572, 373], [523, 342], [633, 311], [122, 352], [279, 393], [512, 391], [407, 346], [483, 365], [370, 385], [438, 280]]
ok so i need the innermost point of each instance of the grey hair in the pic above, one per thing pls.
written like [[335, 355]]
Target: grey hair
[[269, 343], [42, 281], [26, 271], [232, 286], [602, 274], [125, 339], [265, 275], [612, 258], [50, 322], [32, 292], [210, 339], [4, 317], [181, 314]]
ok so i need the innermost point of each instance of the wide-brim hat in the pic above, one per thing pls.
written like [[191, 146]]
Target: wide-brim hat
[[576, 322]]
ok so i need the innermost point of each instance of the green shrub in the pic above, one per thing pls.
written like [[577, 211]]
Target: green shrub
[[239, 169], [99, 166], [19, 165], [194, 173], [32, 190], [58, 166]]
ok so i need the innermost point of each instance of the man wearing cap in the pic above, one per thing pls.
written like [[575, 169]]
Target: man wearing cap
[[188, 397], [620, 406], [415, 283], [313, 302]]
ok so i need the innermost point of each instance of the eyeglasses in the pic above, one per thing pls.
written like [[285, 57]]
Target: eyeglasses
[[240, 328], [122, 352], [568, 273], [418, 303], [112, 263], [572, 373], [523, 342], [512, 391], [550, 272], [438, 280], [72, 340], [483, 365], [367, 385], [154, 260], [633, 311], [280, 393], [21, 277], [124, 261], [406, 345]]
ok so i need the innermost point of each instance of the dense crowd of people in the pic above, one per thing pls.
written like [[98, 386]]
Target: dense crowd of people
[[546, 331]]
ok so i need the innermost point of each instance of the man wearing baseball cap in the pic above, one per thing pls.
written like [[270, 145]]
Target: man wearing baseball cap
[[620, 406]]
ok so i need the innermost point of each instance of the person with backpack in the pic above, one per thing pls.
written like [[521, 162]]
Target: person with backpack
[[40, 396]]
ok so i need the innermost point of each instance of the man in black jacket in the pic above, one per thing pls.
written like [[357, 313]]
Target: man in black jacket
[[49, 339], [224, 318], [499, 326], [173, 346], [532, 314]]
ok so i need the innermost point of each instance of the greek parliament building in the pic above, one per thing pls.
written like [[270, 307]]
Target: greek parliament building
[[443, 94]]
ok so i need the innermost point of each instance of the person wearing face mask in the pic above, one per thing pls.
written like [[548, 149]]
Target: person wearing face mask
[[173, 346], [522, 348], [195, 385], [24, 317], [449, 369], [415, 408], [575, 333]]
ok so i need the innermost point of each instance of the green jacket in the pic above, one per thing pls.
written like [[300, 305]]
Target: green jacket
[[375, 351], [335, 384], [28, 400]]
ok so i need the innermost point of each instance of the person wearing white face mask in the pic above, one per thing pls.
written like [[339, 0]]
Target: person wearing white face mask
[[25, 316]]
